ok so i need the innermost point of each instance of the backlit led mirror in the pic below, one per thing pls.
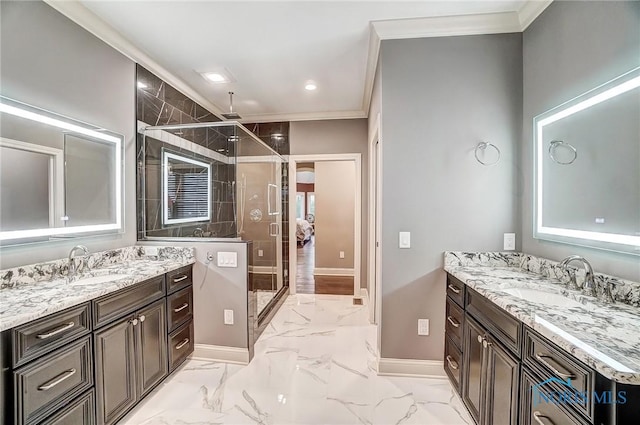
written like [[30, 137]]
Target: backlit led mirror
[[59, 177], [186, 189], [587, 165]]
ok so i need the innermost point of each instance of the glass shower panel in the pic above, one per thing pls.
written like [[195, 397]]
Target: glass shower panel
[[259, 213]]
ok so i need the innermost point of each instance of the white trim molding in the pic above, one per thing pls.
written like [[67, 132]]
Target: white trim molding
[[219, 353], [304, 116], [411, 367], [530, 10], [325, 271]]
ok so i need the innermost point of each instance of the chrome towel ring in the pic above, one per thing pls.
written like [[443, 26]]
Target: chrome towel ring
[[483, 146], [552, 148]]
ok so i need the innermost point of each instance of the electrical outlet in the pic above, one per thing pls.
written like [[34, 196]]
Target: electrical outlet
[[228, 317], [341, 254], [260, 253], [509, 241], [423, 327]]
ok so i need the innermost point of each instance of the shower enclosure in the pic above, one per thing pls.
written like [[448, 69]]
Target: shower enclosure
[[211, 182]]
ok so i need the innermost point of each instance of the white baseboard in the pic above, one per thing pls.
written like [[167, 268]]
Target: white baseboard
[[221, 353], [333, 272], [411, 367]]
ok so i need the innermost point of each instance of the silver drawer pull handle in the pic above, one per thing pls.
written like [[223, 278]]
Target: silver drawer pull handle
[[453, 322], [542, 419], [182, 344], [179, 309], [557, 369], [453, 289], [180, 279], [452, 363], [58, 379], [57, 331]]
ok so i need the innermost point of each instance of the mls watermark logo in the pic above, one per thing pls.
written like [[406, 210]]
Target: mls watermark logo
[[543, 392]]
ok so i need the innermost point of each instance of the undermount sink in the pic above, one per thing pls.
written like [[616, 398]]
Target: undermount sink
[[543, 297], [99, 279]]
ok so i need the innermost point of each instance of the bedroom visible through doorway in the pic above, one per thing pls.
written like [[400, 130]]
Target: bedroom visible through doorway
[[325, 203]]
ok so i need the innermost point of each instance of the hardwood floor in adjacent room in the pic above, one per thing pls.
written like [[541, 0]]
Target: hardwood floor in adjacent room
[[307, 283]]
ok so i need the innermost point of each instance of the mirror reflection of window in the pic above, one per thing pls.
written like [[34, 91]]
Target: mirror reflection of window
[[187, 189], [311, 203]]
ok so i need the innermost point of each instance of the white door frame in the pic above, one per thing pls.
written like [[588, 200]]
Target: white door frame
[[375, 222], [357, 249]]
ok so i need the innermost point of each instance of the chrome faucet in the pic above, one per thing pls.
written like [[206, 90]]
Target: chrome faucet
[[589, 282], [73, 268]]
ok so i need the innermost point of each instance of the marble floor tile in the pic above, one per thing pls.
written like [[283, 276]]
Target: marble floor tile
[[314, 364]]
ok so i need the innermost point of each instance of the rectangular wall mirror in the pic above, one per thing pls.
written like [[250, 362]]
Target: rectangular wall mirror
[[587, 154], [59, 177], [186, 189]]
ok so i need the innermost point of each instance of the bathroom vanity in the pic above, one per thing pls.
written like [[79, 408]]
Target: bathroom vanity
[[520, 348], [87, 351]]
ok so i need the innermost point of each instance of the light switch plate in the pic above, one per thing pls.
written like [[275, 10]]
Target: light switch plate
[[509, 241], [341, 254], [228, 317], [404, 240], [260, 253], [227, 259], [423, 327]]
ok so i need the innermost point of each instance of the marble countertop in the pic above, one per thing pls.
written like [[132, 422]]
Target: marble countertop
[[604, 336], [22, 303]]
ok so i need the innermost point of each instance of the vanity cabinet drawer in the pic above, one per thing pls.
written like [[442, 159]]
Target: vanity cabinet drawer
[[180, 308], [453, 363], [456, 290], [52, 381], [536, 409], [180, 345], [504, 327], [550, 362], [179, 279], [454, 321], [41, 336], [115, 305], [80, 411]]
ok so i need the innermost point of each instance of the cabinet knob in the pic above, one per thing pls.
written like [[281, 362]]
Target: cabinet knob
[[134, 322], [480, 339], [141, 317]]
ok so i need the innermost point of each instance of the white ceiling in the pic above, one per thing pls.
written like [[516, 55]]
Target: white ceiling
[[272, 48]]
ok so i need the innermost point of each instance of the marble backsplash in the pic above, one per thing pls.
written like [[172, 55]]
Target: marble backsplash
[[623, 291], [50, 270]]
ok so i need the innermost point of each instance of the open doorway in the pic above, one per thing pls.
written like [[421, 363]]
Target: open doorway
[[327, 208]]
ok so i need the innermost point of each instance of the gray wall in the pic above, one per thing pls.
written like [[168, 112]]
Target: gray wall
[[50, 62], [569, 49], [337, 136], [441, 96]]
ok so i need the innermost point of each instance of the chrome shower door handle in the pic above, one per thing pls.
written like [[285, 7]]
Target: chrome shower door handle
[[270, 210]]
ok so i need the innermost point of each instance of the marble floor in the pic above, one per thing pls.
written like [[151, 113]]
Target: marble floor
[[314, 364]]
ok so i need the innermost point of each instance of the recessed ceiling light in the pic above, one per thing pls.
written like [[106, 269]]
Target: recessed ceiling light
[[142, 85], [310, 85], [215, 77], [218, 76]]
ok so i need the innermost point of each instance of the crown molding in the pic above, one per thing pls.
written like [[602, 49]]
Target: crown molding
[[445, 26], [440, 26], [303, 116], [88, 20], [530, 11]]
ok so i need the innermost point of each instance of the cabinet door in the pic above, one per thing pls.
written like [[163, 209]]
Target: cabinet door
[[502, 384], [115, 370], [151, 353], [473, 367]]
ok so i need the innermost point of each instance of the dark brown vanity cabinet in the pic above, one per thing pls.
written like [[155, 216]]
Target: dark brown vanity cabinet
[[130, 359], [92, 363], [490, 377]]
